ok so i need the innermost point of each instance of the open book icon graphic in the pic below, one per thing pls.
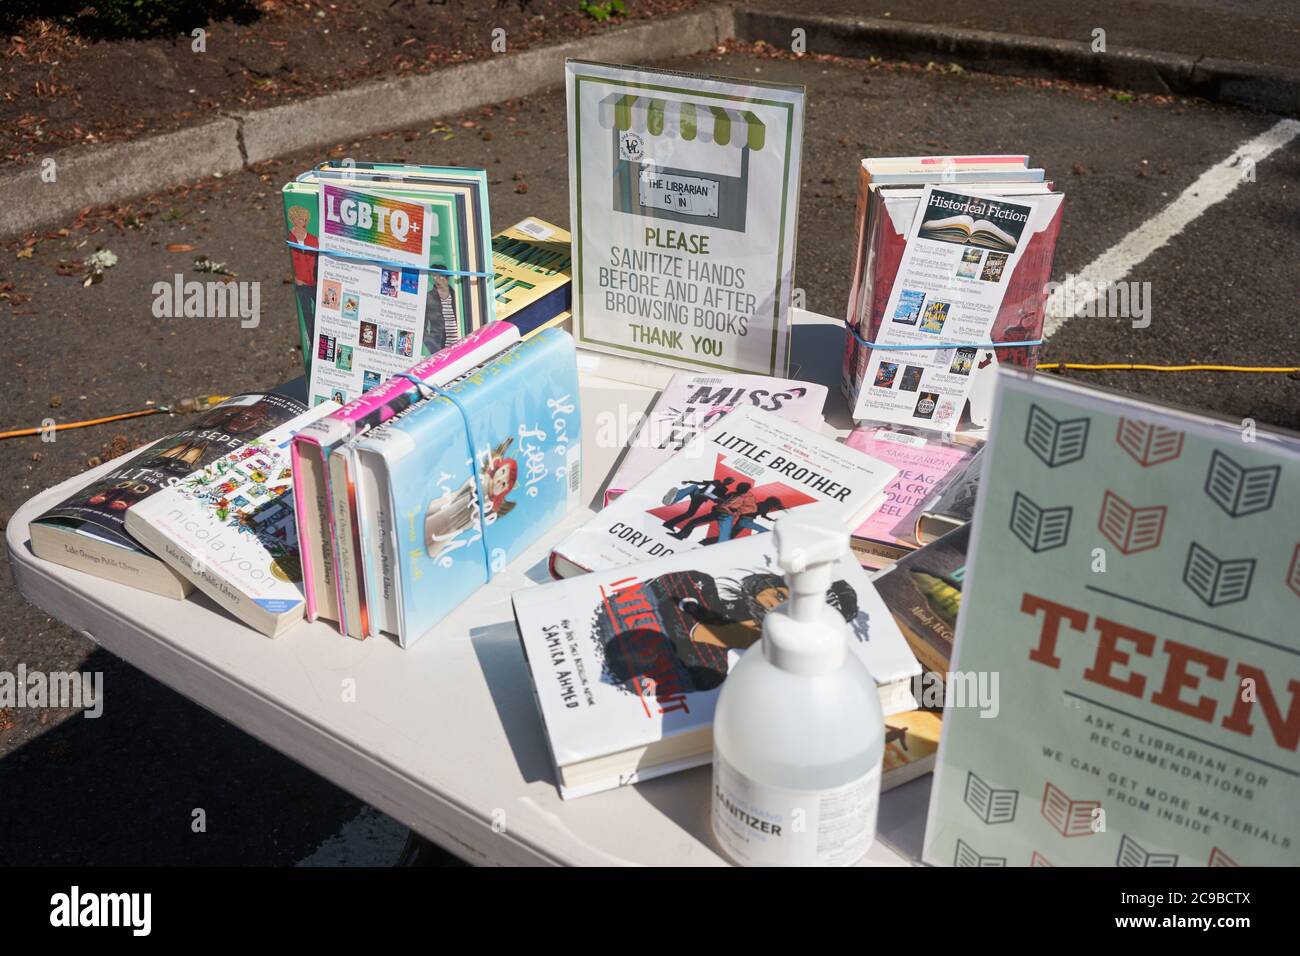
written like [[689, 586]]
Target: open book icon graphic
[[968, 856], [976, 232], [1215, 580], [1131, 854], [990, 805], [1238, 490], [1128, 528], [1070, 818], [1056, 441], [1039, 529]]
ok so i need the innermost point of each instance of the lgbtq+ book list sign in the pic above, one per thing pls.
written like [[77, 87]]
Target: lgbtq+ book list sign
[[684, 195], [1134, 582]]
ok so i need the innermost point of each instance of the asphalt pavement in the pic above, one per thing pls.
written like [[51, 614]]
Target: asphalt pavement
[[122, 788]]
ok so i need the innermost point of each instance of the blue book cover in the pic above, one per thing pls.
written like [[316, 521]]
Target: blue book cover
[[525, 430]]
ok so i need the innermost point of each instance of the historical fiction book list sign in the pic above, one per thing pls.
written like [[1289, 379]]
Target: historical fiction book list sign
[[684, 194]]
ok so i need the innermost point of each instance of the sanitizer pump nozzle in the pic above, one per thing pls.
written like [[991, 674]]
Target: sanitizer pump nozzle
[[798, 734], [806, 635]]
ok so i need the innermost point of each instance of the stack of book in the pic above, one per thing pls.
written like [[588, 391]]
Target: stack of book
[[391, 263], [954, 255]]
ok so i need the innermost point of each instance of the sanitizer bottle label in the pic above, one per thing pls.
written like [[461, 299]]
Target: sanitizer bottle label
[[758, 825]]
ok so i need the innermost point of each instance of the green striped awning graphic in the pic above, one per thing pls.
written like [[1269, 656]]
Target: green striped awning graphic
[[687, 121]]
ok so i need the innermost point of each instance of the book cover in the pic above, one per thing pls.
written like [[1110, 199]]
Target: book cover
[[229, 528], [911, 744], [953, 502], [476, 473], [532, 272], [88, 529], [1149, 660], [691, 403], [923, 591], [888, 222], [922, 464], [313, 445], [731, 481], [633, 657], [454, 304]]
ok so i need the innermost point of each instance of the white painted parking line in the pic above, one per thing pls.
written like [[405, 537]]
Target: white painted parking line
[[1213, 186], [368, 839]]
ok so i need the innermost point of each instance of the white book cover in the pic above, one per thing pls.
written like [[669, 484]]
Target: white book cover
[[731, 481], [691, 402], [229, 529], [632, 657]]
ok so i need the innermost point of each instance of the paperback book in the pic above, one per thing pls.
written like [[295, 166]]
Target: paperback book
[[467, 479], [627, 662], [887, 534], [731, 481], [923, 591], [88, 530], [229, 529], [692, 402]]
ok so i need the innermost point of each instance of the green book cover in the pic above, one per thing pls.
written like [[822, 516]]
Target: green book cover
[[1126, 676], [456, 304]]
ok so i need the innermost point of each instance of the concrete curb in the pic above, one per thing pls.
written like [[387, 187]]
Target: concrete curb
[[1255, 86], [102, 175]]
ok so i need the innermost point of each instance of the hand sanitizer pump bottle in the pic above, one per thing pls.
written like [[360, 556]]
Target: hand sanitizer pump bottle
[[798, 734]]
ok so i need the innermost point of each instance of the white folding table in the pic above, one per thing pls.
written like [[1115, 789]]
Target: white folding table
[[444, 736]]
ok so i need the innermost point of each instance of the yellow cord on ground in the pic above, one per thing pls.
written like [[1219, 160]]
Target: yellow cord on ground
[[198, 403], [1136, 367]]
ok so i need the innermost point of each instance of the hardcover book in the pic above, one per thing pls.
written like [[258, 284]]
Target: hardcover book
[[450, 291], [1147, 630], [316, 501], [730, 481], [691, 402], [229, 529], [470, 477], [88, 530], [532, 269], [627, 663]]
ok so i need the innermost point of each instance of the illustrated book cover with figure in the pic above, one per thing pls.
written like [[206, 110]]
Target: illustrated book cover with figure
[[731, 481], [692, 402], [229, 529], [1134, 580], [469, 478], [627, 662], [923, 591], [683, 200], [412, 312], [87, 531], [326, 508]]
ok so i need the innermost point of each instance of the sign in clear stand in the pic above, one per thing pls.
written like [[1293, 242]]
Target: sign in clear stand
[[684, 194]]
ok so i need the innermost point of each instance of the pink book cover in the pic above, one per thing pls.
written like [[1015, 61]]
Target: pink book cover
[[691, 402], [920, 462], [374, 408]]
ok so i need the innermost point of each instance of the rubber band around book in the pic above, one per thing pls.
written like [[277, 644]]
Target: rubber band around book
[[435, 392], [387, 264], [942, 345]]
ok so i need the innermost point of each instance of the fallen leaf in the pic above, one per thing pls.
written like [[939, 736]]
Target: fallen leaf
[[179, 247]]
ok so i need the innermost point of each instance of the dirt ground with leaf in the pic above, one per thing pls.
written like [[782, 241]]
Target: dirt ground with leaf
[[60, 87]]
